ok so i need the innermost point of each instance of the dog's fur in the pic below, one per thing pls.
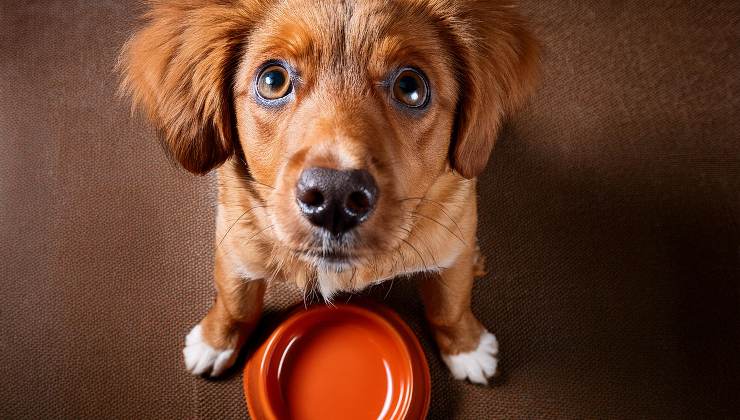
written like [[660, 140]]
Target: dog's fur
[[192, 68]]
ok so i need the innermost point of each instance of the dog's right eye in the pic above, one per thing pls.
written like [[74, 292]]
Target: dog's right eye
[[273, 82], [410, 88]]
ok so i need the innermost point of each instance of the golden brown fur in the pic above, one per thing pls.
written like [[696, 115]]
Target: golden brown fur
[[191, 69]]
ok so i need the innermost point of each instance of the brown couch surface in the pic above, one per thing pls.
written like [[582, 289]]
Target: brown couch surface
[[610, 217]]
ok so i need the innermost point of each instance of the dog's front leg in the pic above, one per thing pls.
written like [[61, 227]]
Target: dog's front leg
[[466, 347], [212, 346]]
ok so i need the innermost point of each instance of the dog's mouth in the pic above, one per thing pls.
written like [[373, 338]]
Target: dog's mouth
[[323, 257]]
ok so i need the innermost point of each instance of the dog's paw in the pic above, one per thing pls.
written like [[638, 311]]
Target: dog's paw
[[202, 359], [477, 365]]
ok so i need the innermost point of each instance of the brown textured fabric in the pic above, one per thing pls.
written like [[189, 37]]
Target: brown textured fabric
[[609, 216]]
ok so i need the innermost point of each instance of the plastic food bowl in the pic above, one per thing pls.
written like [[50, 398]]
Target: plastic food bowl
[[342, 362]]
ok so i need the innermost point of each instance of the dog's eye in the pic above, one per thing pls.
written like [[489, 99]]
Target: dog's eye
[[273, 82], [410, 88]]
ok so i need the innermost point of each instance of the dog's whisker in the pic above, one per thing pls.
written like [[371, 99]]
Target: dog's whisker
[[244, 244], [423, 262], [426, 199], [277, 268], [403, 261], [237, 221], [251, 181], [315, 291], [243, 179], [441, 224], [388, 292], [429, 251], [352, 279], [442, 208]]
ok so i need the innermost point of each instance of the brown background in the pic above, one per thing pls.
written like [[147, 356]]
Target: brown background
[[610, 216]]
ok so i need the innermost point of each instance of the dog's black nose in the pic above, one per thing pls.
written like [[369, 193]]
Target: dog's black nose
[[336, 200]]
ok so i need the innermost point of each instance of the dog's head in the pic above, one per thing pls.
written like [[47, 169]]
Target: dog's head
[[343, 108]]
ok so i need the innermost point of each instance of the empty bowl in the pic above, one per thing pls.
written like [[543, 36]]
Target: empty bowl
[[339, 362]]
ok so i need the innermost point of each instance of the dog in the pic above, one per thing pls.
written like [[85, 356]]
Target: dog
[[347, 136]]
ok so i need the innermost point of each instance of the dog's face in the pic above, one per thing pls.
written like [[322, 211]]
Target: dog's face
[[354, 122], [348, 110]]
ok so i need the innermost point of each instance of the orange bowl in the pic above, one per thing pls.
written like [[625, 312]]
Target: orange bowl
[[340, 362]]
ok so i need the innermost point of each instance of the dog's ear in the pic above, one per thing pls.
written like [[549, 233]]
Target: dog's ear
[[497, 67], [179, 68]]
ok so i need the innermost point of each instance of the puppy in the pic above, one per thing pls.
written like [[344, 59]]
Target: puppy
[[347, 136]]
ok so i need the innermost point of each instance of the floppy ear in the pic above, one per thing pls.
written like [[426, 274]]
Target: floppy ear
[[179, 68], [497, 68]]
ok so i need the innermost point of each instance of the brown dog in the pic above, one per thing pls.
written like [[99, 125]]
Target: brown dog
[[347, 136]]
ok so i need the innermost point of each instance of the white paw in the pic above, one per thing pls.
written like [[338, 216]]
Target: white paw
[[477, 365], [202, 359]]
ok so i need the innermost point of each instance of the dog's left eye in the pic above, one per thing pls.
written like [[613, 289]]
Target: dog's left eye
[[410, 88], [273, 82]]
